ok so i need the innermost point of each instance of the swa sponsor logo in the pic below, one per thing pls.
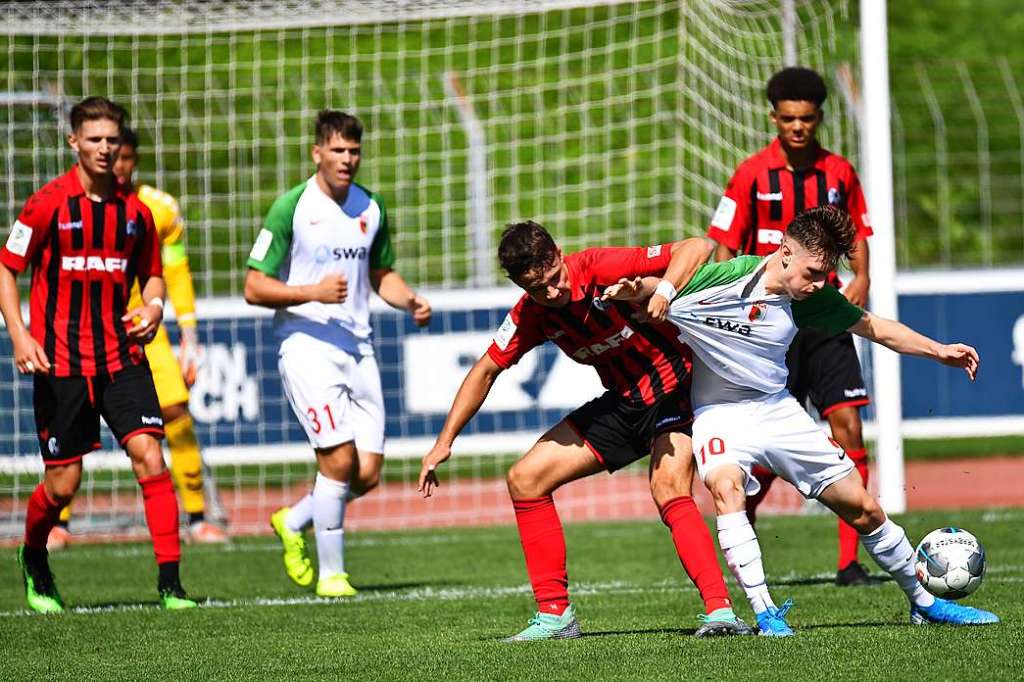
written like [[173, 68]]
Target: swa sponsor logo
[[324, 254], [728, 325]]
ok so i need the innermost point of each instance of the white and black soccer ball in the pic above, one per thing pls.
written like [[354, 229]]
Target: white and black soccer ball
[[950, 563]]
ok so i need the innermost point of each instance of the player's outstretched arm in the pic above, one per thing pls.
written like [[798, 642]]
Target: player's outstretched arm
[[902, 339], [471, 396], [635, 290], [687, 256], [270, 292], [392, 287], [29, 356]]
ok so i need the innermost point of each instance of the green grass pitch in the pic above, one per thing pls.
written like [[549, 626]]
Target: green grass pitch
[[434, 605]]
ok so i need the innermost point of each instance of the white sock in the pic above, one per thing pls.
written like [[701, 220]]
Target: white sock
[[889, 547], [742, 552], [300, 514], [328, 521]]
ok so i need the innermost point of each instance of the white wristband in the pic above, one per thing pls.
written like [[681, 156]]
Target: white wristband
[[157, 302], [666, 289]]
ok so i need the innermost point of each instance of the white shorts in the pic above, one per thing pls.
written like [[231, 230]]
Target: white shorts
[[776, 433], [336, 396]]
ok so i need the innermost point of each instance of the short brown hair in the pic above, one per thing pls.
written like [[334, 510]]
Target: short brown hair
[[525, 247], [330, 122], [825, 231], [94, 109]]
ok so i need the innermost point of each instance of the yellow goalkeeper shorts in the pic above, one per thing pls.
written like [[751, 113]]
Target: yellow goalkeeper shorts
[[170, 385]]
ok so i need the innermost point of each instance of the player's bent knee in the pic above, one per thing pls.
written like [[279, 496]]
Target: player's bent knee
[[727, 490], [523, 481], [666, 486]]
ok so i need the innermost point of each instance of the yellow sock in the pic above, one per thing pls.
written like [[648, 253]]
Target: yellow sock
[[186, 463], [65, 513]]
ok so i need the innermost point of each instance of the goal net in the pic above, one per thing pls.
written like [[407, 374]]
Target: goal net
[[612, 123]]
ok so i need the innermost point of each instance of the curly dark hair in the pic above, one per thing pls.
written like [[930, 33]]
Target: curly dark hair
[[797, 84], [825, 231], [525, 247]]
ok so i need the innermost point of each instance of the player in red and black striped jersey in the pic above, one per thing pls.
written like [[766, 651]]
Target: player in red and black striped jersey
[[645, 410], [766, 192], [88, 241]]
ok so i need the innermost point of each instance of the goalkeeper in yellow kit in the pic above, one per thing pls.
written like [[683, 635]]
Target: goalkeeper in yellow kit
[[171, 377]]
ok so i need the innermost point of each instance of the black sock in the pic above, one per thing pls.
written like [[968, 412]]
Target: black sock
[[168, 575], [196, 517], [36, 557]]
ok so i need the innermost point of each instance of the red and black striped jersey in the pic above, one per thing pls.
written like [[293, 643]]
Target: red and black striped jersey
[[763, 197], [85, 255], [640, 362]]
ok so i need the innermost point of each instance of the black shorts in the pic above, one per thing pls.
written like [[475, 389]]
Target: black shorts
[[68, 411], [826, 370], [619, 433]]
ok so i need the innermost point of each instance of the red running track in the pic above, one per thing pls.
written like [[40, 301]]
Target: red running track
[[955, 484]]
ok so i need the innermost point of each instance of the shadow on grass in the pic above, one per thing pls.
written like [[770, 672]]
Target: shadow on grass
[[872, 581], [391, 587]]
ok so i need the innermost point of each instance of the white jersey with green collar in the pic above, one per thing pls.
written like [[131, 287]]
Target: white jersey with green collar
[[739, 333], [308, 235]]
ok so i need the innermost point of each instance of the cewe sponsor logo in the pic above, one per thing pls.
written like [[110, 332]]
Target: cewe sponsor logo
[[728, 325], [613, 341], [84, 263]]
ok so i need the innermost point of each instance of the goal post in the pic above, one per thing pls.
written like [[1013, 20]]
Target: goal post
[[612, 122]]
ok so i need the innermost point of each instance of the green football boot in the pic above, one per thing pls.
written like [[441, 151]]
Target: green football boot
[[549, 626], [40, 589], [722, 623], [173, 598], [335, 586], [296, 558]]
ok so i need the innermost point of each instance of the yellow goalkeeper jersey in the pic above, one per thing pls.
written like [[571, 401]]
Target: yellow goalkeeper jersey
[[177, 276]]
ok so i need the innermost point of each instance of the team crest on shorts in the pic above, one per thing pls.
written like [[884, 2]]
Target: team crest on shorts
[[756, 312], [834, 197], [53, 446]]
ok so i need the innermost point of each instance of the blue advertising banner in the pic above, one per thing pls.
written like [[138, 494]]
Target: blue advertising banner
[[238, 400]]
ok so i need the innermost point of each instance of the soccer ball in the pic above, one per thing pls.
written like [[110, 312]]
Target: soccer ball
[[950, 563]]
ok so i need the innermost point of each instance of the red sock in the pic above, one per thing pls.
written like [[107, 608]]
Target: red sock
[[765, 477], [42, 516], [162, 516], [540, 532], [849, 539], [696, 551]]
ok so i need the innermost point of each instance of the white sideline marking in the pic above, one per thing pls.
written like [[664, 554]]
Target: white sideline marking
[[419, 594], [437, 594]]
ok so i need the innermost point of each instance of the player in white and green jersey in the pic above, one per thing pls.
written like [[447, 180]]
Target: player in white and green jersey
[[324, 245], [739, 317]]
